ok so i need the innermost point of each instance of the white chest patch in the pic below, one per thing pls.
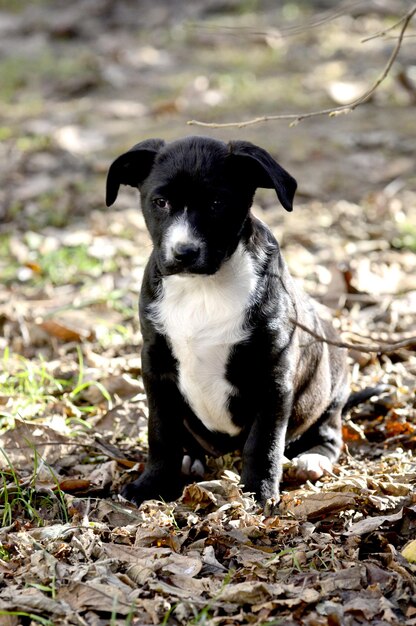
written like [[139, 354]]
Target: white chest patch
[[203, 318]]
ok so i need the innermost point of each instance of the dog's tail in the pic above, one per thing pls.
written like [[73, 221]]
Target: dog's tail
[[362, 396]]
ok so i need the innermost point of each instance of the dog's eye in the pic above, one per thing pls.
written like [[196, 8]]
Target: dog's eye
[[161, 203], [216, 204]]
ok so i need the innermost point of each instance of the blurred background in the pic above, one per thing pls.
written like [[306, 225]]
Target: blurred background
[[82, 82]]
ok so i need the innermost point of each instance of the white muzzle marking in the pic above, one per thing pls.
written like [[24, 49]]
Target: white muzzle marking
[[180, 232]]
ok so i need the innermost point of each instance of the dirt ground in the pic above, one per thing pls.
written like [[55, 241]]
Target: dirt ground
[[82, 82]]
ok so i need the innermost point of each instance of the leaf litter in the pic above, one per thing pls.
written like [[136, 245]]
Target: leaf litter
[[72, 404]]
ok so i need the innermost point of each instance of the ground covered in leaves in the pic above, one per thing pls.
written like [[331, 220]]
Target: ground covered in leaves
[[81, 82]]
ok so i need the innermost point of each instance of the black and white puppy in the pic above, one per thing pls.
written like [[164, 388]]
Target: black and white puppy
[[225, 365]]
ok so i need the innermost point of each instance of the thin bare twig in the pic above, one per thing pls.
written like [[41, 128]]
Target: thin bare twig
[[382, 33], [382, 348], [282, 32], [334, 111]]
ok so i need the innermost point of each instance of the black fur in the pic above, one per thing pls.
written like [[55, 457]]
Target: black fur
[[290, 388]]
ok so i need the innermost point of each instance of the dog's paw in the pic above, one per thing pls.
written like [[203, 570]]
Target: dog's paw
[[192, 467], [152, 488], [264, 490], [131, 493], [310, 466]]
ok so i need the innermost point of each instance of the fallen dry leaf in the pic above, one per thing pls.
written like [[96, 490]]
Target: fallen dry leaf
[[318, 505], [409, 551], [197, 497], [250, 592], [74, 485], [65, 332], [28, 440], [80, 597], [372, 523]]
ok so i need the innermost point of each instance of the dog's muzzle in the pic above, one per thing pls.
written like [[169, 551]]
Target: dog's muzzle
[[183, 250], [186, 254], [185, 258]]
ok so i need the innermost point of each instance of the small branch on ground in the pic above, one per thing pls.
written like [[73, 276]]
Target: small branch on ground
[[383, 347], [334, 111]]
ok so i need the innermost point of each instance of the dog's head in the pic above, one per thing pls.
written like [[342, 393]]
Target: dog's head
[[196, 194]]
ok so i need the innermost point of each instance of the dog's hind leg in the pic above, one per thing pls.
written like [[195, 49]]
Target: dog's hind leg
[[314, 453]]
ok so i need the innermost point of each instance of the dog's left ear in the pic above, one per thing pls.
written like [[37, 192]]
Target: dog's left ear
[[263, 171], [132, 167]]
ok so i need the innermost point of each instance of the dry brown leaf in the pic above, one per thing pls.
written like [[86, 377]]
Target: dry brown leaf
[[351, 578], [350, 433], [250, 592], [156, 536], [51, 533], [378, 575], [193, 586], [123, 385], [140, 575], [164, 587], [149, 557], [392, 487], [409, 551], [372, 523], [32, 600], [64, 332], [317, 505], [209, 558], [366, 606], [35, 267], [249, 556], [128, 418], [197, 497], [81, 596], [74, 485], [115, 514], [183, 565], [28, 440], [300, 596], [103, 475]]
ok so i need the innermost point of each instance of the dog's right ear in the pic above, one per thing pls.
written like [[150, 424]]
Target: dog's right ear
[[132, 167]]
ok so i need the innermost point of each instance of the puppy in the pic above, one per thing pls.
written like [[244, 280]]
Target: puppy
[[225, 365]]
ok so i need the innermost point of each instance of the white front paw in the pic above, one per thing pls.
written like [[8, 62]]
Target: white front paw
[[311, 466]]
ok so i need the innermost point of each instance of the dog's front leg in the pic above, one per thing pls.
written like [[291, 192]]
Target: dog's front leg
[[264, 447], [162, 478]]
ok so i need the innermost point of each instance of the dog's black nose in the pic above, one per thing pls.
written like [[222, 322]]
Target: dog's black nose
[[186, 252]]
